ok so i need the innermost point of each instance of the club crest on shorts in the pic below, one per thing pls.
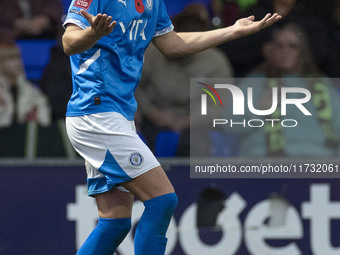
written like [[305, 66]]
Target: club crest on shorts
[[136, 159], [149, 4]]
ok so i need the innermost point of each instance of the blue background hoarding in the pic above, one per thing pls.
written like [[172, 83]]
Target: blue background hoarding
[[45, 210]]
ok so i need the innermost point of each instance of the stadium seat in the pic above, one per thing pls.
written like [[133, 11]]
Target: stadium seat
[[223, 144], [166, 144], [35, 56]]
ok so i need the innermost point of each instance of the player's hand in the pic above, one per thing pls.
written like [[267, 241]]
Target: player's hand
[[101, 24], [248, 25]]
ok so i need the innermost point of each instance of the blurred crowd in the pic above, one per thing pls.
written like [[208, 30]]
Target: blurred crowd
[[304, 45]]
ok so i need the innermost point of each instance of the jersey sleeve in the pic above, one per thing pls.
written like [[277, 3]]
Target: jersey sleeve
[[164, 24], [91, 6]]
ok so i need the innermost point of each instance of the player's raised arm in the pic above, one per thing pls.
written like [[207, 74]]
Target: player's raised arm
[[177, 44], [76, 39]]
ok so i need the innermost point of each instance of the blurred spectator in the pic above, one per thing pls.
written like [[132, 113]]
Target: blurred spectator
[[316, 19], [311, 16], [288, 54], [164, 91], [336, 20], [224, 12], [245, 4], [336, 13], [336, 29], [20, 101], [29, 19], [289, 63], [245, 53], [56, 82]]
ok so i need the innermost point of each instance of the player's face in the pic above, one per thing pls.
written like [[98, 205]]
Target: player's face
[[286, 52]]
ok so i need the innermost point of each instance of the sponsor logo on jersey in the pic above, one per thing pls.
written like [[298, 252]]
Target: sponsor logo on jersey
[[75, 11], [123, 2], [84, 4], [136, 159], [135, 29]]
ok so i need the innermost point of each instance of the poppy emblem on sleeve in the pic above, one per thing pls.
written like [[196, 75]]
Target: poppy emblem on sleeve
[[139, 6]]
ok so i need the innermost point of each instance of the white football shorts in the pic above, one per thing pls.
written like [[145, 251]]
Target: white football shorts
[[112, 150]]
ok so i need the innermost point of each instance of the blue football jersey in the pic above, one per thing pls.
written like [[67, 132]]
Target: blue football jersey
[[105, 77]]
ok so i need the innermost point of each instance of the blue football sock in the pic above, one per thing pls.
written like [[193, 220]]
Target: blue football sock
[[106, 237], [150, 233]]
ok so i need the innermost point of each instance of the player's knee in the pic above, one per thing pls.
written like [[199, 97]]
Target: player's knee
[[126, 228], [122, 226], [166, 203], [157, 215], [171, 202]]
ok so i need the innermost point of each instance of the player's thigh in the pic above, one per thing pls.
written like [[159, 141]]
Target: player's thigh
[[114, 204], [151, 184]]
